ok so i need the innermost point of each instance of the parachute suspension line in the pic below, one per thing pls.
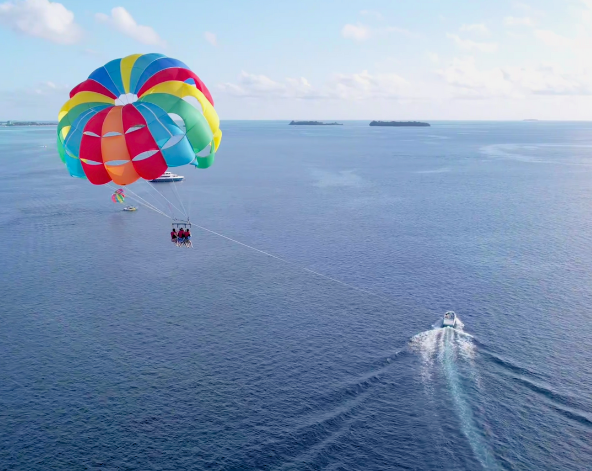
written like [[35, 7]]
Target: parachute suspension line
[[149, 206], [171, 135], [180, 200], [157, 203], [171, 205], [172, 213], [361, 290], [152, 206]]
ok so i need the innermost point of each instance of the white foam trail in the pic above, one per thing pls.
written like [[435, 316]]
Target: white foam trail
[[454, 351], [426, 343]]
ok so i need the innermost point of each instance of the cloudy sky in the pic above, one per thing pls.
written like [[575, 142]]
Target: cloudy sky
[[316, 59]]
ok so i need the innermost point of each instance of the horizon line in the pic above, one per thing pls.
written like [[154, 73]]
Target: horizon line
[[353, 120]]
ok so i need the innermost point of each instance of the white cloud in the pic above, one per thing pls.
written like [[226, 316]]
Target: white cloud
[[357, 33], [357, 86], [475, 28], [586, 12], [552, 39], [123, 22], [41, 19], [579, 42], [394, 29], [433, 57], [253, 86], [50, 88], [211, 38], [470, 82], [549, 80], [364, 85], [513, 82], [518, 21], [26, 103], [472, 45]]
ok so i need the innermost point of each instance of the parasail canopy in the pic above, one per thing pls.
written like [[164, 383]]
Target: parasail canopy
[[118, 196], [117, 125]]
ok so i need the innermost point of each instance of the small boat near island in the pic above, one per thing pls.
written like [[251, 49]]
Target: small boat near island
[[449, 319], [313, 123], [398, 123], [168, 177]]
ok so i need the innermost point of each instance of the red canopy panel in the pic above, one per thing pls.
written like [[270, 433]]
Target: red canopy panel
[[179, 74], [148, 161], [90, 85], [90, 149]]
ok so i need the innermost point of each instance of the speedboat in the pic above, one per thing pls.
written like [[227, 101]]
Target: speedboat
[[130, 208], [168, 177], [449, 319]]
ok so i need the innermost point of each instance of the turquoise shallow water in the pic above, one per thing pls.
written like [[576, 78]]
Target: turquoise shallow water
[[121, 351]]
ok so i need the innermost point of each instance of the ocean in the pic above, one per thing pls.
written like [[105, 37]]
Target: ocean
[[121, 351]]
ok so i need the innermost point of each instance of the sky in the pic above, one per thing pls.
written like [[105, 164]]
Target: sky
[[320, 59]]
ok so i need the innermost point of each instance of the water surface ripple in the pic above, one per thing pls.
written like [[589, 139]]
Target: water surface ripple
[[119, 351]]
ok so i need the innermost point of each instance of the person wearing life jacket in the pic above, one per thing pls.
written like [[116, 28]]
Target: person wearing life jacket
[[173, 235]]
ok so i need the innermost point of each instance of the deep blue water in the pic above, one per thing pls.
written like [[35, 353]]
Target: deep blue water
[[121, 351]]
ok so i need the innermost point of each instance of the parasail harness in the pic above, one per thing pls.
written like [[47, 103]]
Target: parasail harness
[[179, 224]]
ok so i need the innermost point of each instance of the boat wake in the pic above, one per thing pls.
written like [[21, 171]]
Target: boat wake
[[433, 344], [448, 357]]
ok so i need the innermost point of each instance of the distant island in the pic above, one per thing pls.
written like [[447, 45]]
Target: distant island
[[28, 123], [530, 120], [398, 123], [313, 123]]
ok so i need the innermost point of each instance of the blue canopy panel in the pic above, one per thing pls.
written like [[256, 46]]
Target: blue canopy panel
[[156, 66], [138, 69], [113, 68], [171, 139], [102, 76], [73, 140]]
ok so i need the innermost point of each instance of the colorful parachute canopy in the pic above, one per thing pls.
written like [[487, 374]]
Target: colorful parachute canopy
[[118, 196], [116, 125]]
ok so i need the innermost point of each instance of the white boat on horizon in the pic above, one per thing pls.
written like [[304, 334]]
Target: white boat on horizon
[[449, 319], [168, 177]]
